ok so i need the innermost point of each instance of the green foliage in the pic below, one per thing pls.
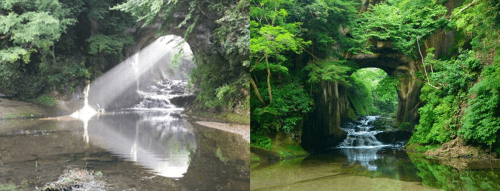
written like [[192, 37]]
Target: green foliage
[[65, 74], [401, 22], [360, 95], [45, 43], [290, 101], [329, 70], [439, 121], [34, 29], [273, 37], [372, 92], [385, 96], [436, 123], [260, 141], [45, 100], [325, 23], [217, 92], [482, 119], [108, 44], [9, 186], [234, 33]]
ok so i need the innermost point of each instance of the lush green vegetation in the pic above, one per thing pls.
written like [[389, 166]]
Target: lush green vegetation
[[283, 38], [296, 44], [54, 44], [373, 92], [464, 101]]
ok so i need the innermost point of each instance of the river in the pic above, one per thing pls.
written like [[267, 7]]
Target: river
[[150, 146], [362, 162]]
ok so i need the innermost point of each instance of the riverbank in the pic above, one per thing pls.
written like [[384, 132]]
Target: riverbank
[[13, 109], [280, 149], [243, 130], [221, 117], [225, 121]]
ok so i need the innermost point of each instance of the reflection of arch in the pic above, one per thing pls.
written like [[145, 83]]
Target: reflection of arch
[[121, 136]]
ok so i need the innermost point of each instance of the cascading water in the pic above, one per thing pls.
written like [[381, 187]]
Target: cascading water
[[360, 136], [158, 96], [361, 144]]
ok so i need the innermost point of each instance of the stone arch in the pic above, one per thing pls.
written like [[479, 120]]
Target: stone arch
[[332, 105], [396, 64]]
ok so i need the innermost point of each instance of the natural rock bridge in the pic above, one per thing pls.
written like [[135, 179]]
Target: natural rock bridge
[[322, 127]]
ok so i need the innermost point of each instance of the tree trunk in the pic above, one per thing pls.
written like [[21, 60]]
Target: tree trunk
[[269, 81], [257, 91]]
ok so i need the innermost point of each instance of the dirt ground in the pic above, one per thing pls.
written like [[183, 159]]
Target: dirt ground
[[243, 130]]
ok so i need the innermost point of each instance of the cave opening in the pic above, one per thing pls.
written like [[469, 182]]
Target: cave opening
[[372, 91]]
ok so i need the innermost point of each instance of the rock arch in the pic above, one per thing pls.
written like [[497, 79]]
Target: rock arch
[[321, 128]]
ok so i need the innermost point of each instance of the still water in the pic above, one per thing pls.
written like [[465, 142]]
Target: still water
[[362, 162], [147, 147]]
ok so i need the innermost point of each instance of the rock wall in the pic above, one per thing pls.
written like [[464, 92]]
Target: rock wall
[[322, 127]]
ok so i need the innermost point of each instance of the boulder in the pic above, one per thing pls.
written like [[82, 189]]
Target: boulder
[[388, 137], [383, 123], [183, 101]]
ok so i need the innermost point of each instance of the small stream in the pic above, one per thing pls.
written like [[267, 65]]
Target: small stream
[[150, 146], [361, 162]]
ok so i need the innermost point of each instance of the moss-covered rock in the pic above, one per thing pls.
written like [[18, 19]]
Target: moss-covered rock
[[383, 123]]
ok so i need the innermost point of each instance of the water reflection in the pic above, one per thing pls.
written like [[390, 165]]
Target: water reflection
[[156, 140], [436, 174], [361, 145], [364, 156]]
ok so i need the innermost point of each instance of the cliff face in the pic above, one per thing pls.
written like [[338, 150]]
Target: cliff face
[[322, 126]]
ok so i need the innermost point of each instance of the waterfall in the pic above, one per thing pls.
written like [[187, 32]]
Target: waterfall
[[360, 136], [158, 96], [361, 145]]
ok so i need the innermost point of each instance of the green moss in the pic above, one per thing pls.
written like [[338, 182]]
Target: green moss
[[287, 151]]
